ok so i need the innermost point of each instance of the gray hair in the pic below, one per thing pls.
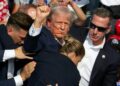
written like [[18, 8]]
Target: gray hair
[[59, 9]]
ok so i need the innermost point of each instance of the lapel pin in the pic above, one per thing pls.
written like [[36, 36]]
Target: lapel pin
[[103, 56]]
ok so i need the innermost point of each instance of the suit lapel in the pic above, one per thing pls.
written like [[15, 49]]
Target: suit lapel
[[99, 64]]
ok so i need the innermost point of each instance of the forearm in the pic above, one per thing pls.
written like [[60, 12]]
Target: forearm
[[81, 15], [31, 44], [16, 8], [32, 38]]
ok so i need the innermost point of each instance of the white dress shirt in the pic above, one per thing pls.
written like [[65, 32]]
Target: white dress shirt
[[10, 55], [86, 65], [34, 32]]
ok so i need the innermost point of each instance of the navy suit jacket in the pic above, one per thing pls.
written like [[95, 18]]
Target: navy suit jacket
[[45, 41], [52, 68], [7, 43], [105, 67]]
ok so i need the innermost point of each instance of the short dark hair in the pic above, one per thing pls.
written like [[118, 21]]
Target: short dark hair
[[102, 12], [20, 20]]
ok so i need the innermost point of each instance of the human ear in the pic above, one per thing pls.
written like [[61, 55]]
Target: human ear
[[108, 30], [9, 30]]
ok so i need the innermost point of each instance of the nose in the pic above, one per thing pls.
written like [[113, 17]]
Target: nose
[[95, 30], [62, 27]]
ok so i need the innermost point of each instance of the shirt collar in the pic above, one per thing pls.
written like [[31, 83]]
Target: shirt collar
[[60, 42]]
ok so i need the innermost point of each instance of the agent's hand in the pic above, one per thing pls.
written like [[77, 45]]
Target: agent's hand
[[19, 54], [27, 70]]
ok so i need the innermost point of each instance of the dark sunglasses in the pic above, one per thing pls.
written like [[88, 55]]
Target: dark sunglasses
[[101, 29]]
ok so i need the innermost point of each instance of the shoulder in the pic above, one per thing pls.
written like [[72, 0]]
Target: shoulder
[[113, 55]]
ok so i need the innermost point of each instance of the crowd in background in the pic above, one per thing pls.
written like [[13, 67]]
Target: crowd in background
[[59, 43]]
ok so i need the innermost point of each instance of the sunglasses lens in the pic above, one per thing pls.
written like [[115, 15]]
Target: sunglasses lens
[[101, 29], [93, 26]]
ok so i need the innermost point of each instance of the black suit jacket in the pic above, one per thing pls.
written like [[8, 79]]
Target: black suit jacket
[[52, 68], [105, 66], [7, 43]]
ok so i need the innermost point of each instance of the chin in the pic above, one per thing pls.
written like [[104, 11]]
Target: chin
[[60, 36]]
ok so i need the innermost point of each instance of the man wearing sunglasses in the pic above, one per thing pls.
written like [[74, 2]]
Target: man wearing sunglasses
[[98, 67]]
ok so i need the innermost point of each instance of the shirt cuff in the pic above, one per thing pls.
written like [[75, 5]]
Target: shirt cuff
[[9, 54], [34, 32], [18, 80]]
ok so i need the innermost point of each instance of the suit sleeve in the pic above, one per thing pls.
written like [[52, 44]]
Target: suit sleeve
[[9, 82], [31, 43], [1, 55]]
